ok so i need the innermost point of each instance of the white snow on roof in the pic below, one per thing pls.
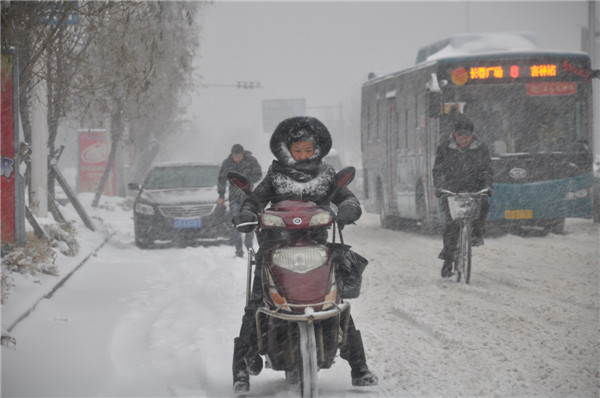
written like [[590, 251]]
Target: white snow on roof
[[481, 43]]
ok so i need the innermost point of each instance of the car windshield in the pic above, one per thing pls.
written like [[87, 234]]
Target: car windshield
[[199, 176]]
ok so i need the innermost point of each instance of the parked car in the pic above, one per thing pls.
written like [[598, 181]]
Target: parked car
[[177, 202]]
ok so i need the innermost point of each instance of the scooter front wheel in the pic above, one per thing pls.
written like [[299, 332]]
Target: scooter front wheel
[[308, 354]]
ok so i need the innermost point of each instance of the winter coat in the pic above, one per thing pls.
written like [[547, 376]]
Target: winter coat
[[249, 167], [309, 179], [460, 169]]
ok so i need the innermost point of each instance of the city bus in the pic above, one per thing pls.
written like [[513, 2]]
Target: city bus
[[531, 107]]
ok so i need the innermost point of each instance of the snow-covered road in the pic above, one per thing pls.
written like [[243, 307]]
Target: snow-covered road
[[162, 322]]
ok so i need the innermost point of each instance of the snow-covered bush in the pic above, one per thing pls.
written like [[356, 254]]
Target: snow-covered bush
[[35, 257], [63, 237], [6, 283]]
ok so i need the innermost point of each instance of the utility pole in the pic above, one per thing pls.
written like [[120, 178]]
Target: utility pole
[[39, 149]]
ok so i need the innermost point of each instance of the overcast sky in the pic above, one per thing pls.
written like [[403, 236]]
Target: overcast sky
[[323, 52]]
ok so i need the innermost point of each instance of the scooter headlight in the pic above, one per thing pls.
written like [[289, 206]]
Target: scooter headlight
[[300, 259], [322, 218], [278, 299], [331, 297], [270, 220]]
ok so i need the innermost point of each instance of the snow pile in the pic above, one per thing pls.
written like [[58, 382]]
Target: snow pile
[[30, 272], [480, 43]]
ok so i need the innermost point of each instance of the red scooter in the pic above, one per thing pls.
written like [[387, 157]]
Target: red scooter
[[298, 325]]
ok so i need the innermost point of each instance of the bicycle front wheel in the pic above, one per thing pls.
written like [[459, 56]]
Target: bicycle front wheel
[[463, 261], [468, 255]]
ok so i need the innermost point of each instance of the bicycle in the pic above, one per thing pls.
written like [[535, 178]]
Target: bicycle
[[464, 207]]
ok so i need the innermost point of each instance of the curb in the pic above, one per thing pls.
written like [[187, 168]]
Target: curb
[[58, 285]]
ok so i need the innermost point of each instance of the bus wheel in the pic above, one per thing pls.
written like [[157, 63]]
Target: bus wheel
[[556, 227]]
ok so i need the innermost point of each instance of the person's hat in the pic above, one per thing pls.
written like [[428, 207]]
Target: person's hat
[[462, 125], [237, 148]]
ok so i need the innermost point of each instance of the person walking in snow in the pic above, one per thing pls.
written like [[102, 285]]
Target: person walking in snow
[[240, 161], [462, 164], [299, 144]]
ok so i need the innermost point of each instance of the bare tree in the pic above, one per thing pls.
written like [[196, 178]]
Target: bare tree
[[128, 60], [138, 67]]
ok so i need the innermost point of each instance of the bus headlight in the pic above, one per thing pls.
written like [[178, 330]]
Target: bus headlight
[[580, 193], [270, 220], [322, 218]]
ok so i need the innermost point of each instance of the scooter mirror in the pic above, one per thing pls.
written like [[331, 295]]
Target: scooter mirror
[[345, 176], [239, 180]]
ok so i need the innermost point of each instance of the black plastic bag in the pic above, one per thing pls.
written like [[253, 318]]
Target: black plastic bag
[[349, 267]]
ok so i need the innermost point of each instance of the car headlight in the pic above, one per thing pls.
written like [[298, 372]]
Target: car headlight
[[142, 208], [322, 218], [270, 220], [300, 259], [580, 193]]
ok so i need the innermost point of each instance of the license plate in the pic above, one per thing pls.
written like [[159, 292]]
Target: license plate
[[518, 214], [181, 223]]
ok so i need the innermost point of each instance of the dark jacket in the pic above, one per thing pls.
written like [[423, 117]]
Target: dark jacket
[[309, 179], [462, 169], [249, 167]]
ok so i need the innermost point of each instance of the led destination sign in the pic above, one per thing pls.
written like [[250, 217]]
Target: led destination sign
[[497, 72], [519, 70]]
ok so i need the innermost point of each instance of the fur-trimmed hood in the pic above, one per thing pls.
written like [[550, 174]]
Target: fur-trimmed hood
[[300, 128], [452, 144]]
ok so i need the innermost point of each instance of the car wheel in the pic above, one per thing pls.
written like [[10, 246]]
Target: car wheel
[[141, 240]]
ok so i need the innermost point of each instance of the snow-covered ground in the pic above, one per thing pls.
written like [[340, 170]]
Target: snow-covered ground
[[161, 322]]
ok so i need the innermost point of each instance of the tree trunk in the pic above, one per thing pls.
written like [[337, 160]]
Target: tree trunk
[[116, 129]]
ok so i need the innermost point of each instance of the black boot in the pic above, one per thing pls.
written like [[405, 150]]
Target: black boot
[[355, 355], [447, 269], [254, 363], [241, 378]]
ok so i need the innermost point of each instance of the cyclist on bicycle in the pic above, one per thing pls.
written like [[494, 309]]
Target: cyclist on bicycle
[[462, 164]]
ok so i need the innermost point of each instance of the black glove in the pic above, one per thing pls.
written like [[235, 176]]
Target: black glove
[[245, 217], [348, 212]]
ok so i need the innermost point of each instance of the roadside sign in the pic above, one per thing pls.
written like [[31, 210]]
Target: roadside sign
[[94, 147]]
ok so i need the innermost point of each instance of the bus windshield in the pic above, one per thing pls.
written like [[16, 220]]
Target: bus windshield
[[511, 118]]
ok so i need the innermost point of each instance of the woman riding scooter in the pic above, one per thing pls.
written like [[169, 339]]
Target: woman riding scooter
[[299, 144]]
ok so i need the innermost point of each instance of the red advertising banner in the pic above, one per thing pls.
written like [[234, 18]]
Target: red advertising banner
[[7, 183], [94, 147], [552, 88]]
